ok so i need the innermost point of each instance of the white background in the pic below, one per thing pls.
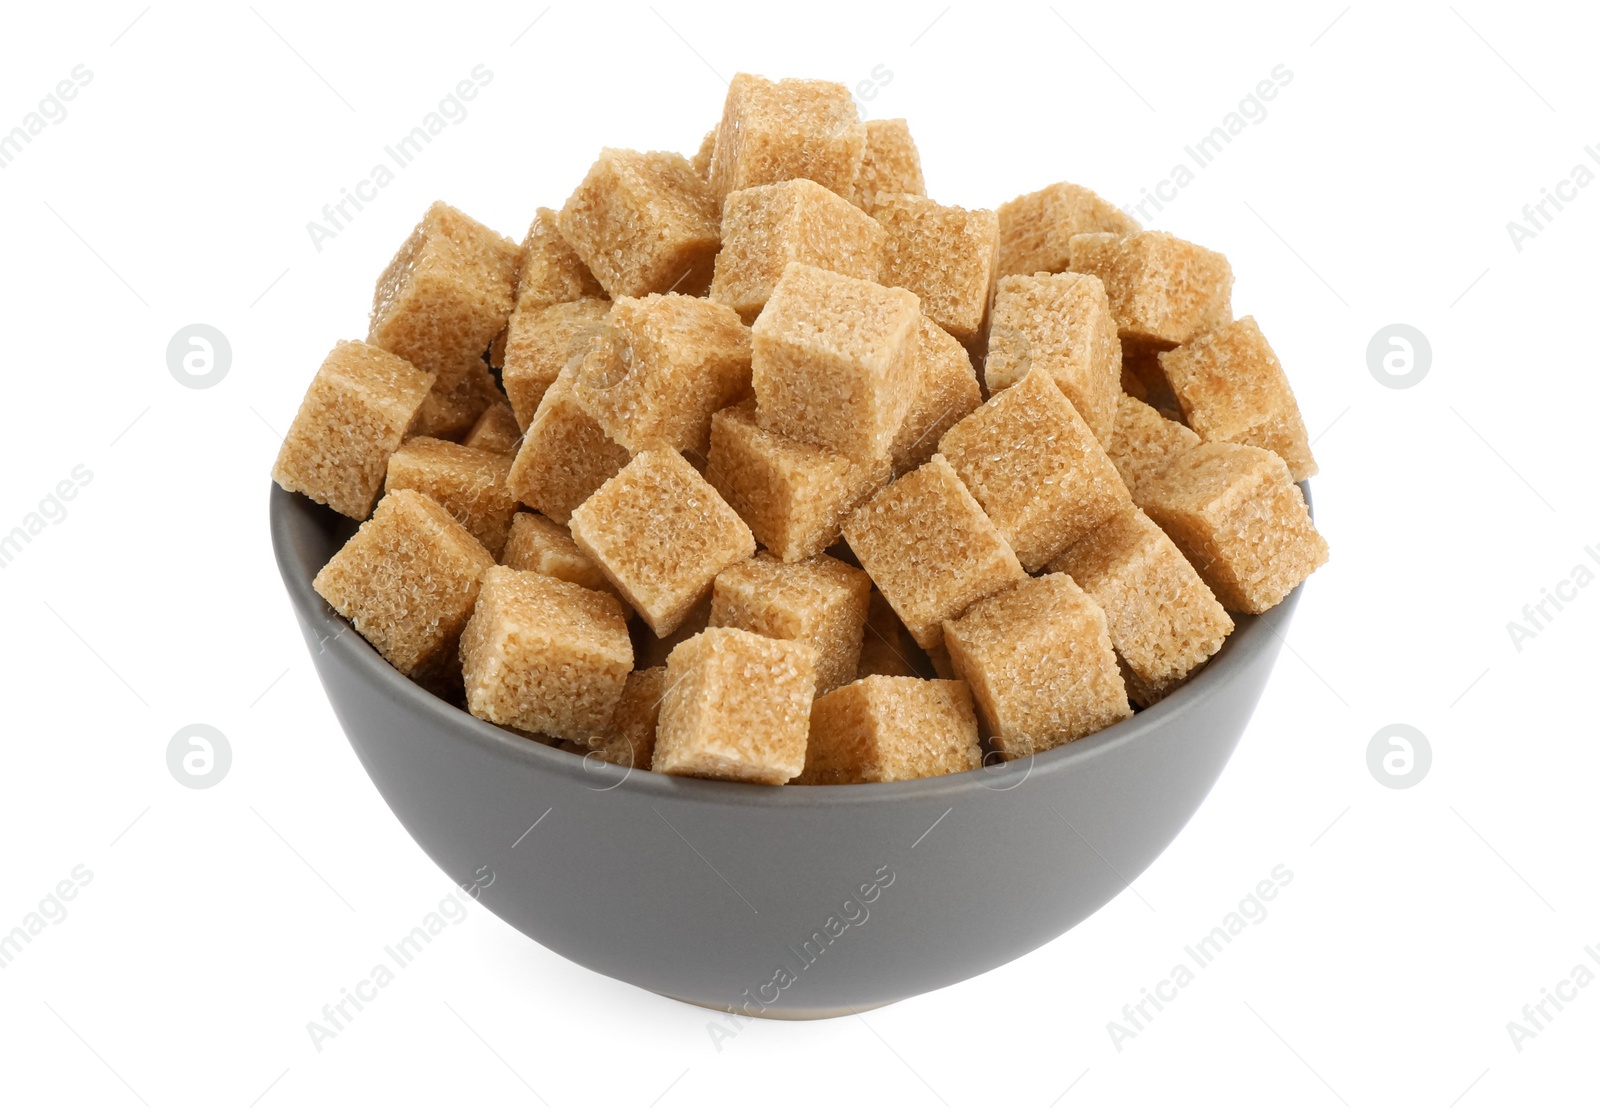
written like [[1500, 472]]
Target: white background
[[1376, 190]]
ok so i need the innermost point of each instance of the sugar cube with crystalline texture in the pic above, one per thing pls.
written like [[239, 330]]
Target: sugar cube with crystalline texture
[[821, 602], [834, 361], [889, 165], [445, 295], [551, 271], [1040, 663], [1036, 228], [1035, 468], [495, 430], [793, 495], [661, 534], [469, 483], [947, 392], [1063, 325], [943, 254], [643, 222], [772, 131], [737, 707], [887, 648], [891, 729], [1163, 291], [630, 740], [765, 228], [407, 581], [1237, 516], [1163, 620], [565, 455], [701, 160], [1144, 442], [544, 655], [661, 366], [541, 343], [535, 544], [930, 549], [1232, 388], [456, 403], [354, 414]]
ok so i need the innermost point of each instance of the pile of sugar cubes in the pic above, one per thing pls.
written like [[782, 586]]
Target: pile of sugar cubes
[[701, 477]]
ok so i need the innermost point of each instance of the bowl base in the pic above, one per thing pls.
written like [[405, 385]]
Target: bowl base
[[776, 1013]]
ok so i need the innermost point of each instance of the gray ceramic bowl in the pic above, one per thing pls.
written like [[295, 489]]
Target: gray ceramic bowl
[[792, 902]]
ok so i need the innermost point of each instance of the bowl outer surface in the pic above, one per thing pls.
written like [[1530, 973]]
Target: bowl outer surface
[[756, 897]]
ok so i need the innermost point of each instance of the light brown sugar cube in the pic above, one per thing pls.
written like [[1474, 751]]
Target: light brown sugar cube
[[1163, 290], [643, 223], [630, 740], [737, 707], [543, 655], [772, 131], [889, 165], [551, 271], [765, 228], [471, 484], [943, 254], [407, 581], [455, 404], [661, 366], [821, 602], [1060, 324], [887, 648], [1040, 663], [930, 549], [354, 414], [1232, 388], [542, 343], [535, 544], [1144, 442], [1163, 620], [565, 455], [834, 361], [792, 495], [1237, 516], [661, 534], [947, 392], [496, 430], [1035, 468], [891, 729], [1036, 229]]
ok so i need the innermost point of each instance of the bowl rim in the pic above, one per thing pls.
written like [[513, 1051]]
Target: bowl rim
[[1252, 636]]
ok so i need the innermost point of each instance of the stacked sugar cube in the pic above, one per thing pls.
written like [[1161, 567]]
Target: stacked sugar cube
[[704, 475]]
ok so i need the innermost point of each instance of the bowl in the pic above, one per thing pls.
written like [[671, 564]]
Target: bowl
[[789, 902]]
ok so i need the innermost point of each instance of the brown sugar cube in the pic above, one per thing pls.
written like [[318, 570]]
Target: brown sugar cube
[[661, 534], [1061, 324], [793, 495], [887, 648], [1163, 290], [1036, 229], [930, 549], [630, 740], [834, 361], [543, 655], [701, 159], [943, 254], [1144, 442], [1237, 516], [1163, 620], [1035, 468], [355, 413], [1040, 663], [1232, 388], [565, 455], [496, 430], [551, 271], [772, 131], [821, 602], [535, 544], [643, 222], [661, 366], [891, 729], [455, 404], [541, 343], [650, 651], [765, 228], [407, 581], [737, 707], [469, 483], [889, 165], [948, 393]]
